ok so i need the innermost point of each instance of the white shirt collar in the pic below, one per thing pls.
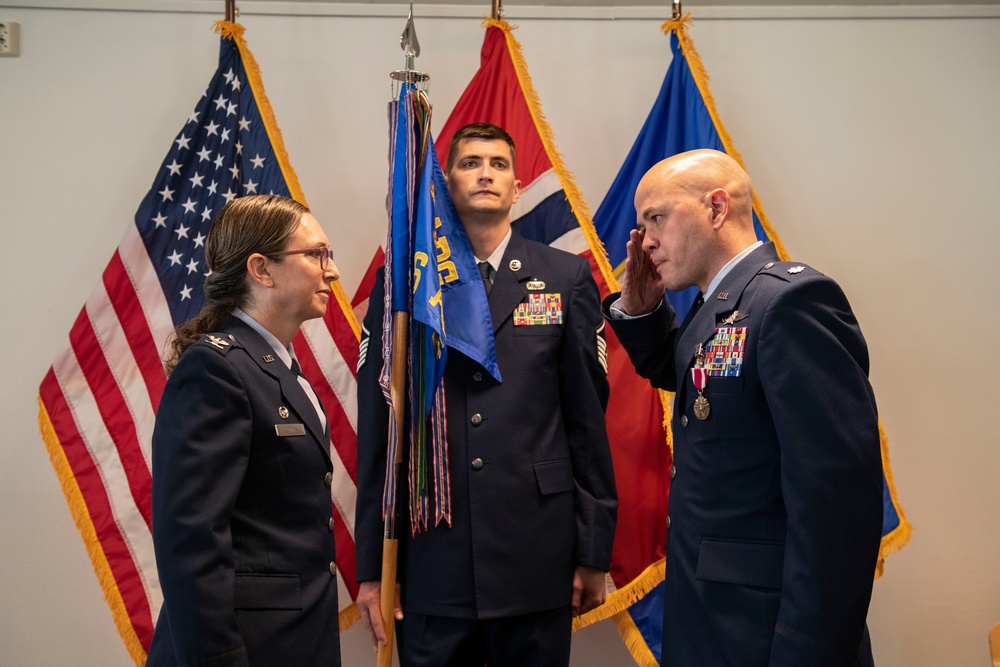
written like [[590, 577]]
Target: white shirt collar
[[286, 354], [497, 255]]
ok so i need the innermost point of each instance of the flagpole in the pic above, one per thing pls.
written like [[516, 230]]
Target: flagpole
[[497, 11], [397, 393], [677, 10], [231, 10]]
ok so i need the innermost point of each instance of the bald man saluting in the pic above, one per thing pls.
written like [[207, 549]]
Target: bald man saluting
[[776, 502]]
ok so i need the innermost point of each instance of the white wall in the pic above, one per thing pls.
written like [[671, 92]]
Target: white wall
[[873, 144]]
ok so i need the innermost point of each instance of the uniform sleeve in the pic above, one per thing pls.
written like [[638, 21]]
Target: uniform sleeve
[[814, 368], [649, 342], [584, 399], [373, 434], [201, 446]]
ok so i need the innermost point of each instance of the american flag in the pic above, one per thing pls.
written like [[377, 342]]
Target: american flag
[[98, 401]]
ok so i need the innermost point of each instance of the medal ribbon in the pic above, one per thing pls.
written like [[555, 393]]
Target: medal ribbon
[[699, 376]]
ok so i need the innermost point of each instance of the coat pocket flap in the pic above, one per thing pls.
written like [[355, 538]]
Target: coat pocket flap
[[554, 476], [267, 591], [757, 564]]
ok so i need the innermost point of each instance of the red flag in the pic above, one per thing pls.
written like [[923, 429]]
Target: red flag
[[551, 210]]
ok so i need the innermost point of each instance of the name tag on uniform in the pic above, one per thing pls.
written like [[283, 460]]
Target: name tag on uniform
[[285, 430], [539, 309], [724, 353]]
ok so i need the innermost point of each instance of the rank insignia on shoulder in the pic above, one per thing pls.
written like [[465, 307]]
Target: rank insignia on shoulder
[[539, 309], [217, 342], [797, 269], [536, 285], [724, 353]]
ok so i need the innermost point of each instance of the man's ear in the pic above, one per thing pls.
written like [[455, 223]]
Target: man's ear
[[516, 191], [719, 200], [258, 269]]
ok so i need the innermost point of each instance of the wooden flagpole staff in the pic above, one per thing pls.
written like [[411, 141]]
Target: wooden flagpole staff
[[397, 394]]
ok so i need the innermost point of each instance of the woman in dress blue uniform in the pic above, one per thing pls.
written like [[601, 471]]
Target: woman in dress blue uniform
[[242, 513]]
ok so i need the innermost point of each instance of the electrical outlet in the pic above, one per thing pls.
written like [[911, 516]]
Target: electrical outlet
[[9, 43]]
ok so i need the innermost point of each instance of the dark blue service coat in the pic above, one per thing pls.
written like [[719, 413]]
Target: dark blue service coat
[[532, 483], [242, 524], [775, 512]]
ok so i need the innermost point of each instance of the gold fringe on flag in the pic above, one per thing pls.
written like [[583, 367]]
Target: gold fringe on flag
[[81, 517], [634, 641], [620, 600], [900, 535]]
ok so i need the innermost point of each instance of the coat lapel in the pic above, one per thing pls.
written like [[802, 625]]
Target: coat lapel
[[725, 298], [291, 391], [508, 285]]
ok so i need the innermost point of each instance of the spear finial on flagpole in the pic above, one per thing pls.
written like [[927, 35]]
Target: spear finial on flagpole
[[411, 49], [677, 10]]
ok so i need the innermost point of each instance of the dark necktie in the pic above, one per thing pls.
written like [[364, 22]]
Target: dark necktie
[[698, 303], [484, 271], [296, 369]]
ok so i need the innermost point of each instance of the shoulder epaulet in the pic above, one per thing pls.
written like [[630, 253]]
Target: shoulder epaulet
[[787, 271], [220, 341]]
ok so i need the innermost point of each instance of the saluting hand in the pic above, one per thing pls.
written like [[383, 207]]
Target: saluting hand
[[642, 287]]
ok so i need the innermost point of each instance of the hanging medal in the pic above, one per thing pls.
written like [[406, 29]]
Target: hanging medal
[[699, 376]]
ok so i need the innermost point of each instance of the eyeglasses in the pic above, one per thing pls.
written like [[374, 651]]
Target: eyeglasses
[[321, 254]]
